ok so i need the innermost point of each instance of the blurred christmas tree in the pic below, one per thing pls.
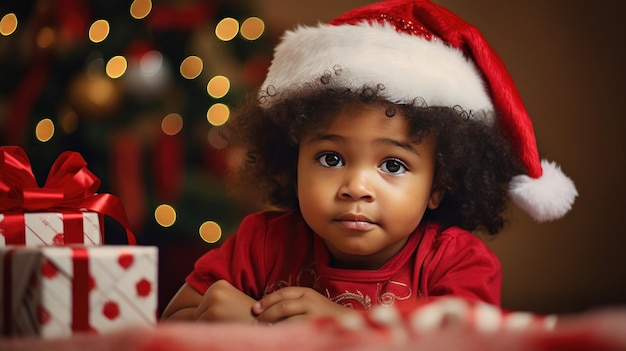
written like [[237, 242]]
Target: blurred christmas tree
[[137, 88]]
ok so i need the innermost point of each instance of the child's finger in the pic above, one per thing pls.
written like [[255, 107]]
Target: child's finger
[[282, 310], [288, 293]]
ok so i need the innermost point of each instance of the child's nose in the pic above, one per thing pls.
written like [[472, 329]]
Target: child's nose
[[357, 186]]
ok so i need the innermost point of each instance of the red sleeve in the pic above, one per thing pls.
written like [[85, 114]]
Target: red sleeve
[[462, 265], [240, 260]]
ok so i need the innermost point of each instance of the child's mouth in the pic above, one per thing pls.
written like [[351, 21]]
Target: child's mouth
[[355, 222]]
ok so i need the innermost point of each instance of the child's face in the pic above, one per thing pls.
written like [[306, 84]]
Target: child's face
[[363, 186]]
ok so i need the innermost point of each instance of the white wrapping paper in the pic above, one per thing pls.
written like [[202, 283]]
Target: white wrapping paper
[[58, 291], [46, 228]]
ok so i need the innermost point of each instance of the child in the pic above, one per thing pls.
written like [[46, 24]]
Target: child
[[383, 139]]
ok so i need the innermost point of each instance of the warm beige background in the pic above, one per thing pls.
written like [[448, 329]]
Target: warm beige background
[[568, 62]]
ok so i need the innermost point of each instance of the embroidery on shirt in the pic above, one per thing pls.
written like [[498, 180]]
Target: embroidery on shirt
[[393, 291], [347, 298], [386, 293]]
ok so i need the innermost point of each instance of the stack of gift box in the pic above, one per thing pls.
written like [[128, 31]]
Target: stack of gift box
[[59, 277]]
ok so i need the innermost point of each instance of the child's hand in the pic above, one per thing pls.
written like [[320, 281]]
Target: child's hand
[[296, 303], [222, 302]]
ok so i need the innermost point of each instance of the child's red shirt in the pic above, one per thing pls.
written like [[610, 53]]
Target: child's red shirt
[[272, 250]]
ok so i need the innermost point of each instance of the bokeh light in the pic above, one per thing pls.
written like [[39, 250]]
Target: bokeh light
[[172, 124], [151, 63], [218, 87], [140, 8], [101, 91], [252, 28], [210, 232], [8, 24], [148, 74], [99, 31], [69, 121], [116, 67], [218, 114], [45, 38], [44, 130], [165, 215], [92, 94], [191, 67], [227, 29]]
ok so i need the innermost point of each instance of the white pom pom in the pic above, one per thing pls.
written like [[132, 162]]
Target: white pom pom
[[546, 198], [443, 312]]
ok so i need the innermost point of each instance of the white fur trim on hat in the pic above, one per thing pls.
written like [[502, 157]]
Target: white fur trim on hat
[[369, 54], [545, 198], [413, 51]]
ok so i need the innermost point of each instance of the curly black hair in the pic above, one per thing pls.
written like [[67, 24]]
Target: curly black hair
[[474, 160]]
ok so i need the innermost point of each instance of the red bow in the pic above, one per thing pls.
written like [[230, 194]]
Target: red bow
[[70, 185]]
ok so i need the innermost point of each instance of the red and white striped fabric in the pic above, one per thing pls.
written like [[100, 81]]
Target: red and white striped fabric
[[447, 313], [445, 324]]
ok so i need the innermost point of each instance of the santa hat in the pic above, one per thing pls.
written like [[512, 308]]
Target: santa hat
[[417, 49]]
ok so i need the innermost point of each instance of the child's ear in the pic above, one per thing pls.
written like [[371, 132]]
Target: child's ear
[[435, 199]]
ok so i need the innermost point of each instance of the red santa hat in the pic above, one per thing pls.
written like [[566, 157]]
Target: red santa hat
[[417, 49]]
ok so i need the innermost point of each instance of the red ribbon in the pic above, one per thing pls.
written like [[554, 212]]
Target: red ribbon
[[69, 186], [15, 228], [80, 289], [73, 228]]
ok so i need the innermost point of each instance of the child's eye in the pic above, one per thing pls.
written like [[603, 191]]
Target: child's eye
[[330, 159], [393, 166]]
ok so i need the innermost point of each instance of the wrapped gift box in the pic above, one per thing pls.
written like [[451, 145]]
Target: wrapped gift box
[[58, 291], [66, 210], [50, 228]]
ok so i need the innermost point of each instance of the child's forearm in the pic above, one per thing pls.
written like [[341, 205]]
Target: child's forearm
[[180, 315], [221, 302], [183, 305]]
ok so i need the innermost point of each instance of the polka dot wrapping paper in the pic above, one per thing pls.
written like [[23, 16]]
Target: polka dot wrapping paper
[[59, 291]]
